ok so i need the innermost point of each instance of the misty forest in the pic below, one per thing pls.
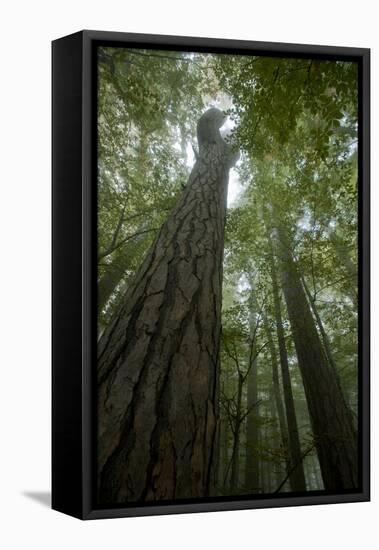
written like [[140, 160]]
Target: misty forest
[[227, 275]]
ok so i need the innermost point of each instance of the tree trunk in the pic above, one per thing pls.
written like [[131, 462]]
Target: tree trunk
[[252, 406], [324, 336], [263, 440], [332, 424], [276, 439], [252, 431], [158, 361], [317, 473], [234, 477], [278, 395], [297, 478], [224, 459]]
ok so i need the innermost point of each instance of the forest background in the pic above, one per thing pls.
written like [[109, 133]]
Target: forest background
[[288, 386]]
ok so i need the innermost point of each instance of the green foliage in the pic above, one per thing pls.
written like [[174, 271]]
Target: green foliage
[[295, 123], [148, 104]]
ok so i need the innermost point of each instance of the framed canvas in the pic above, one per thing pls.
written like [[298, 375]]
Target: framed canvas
[[210, 275]]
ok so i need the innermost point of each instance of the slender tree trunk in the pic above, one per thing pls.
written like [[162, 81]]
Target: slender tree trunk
[[324, 336], [252, 431], [234, 478], [277, 396], [317, 473], [276, 436], [223, 464], [333, 429], [252, 406], [265, 474], [297, 478], [325, 340], [215, 466], [158, 361]]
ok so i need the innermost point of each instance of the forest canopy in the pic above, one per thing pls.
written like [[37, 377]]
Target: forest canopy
[[283, 350]]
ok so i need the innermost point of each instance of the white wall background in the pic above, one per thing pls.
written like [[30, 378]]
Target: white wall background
[[26, 31]]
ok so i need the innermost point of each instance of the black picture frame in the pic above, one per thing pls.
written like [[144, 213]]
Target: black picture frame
[[74, 286]]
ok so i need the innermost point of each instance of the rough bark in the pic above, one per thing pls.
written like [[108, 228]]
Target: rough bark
[[158, 360], [297, 478], [333, 429]]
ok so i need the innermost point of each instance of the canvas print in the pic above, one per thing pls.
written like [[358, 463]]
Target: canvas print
[[227, 276]]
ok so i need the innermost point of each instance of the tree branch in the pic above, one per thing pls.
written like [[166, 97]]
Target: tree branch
[[110, 250], [291, 470]]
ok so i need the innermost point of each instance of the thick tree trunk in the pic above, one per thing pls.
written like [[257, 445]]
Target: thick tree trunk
[[158, 361], [297, 478], [334, 434]]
